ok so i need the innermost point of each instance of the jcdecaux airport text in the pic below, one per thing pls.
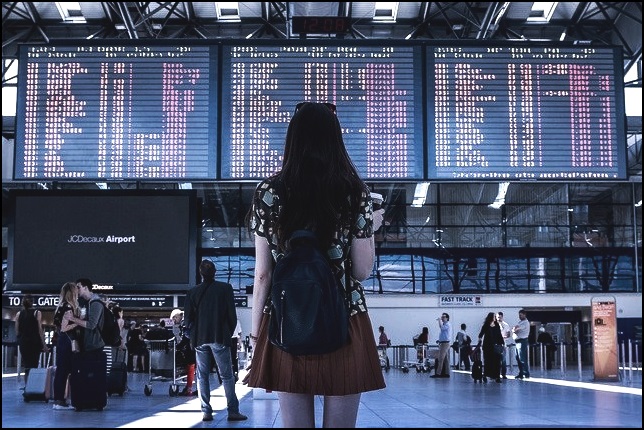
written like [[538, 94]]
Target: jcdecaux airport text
[[77, 238]]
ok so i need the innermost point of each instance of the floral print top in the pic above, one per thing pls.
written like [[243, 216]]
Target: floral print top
[[265, 210]]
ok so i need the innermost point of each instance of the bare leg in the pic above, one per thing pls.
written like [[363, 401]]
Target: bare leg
[[297, 410], [341, 411]]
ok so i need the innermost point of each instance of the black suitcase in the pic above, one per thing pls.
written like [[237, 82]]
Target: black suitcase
[[117, 379], [477, 366], [88, 384]]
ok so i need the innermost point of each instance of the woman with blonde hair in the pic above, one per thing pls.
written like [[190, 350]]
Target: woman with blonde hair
[[68, 341]]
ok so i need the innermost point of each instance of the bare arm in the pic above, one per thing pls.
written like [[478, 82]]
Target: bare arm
[[66, 325], [262, 283], [79, 322], [17, 320], [363, 250]]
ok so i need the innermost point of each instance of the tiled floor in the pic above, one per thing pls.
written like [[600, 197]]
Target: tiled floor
[[410, 400]]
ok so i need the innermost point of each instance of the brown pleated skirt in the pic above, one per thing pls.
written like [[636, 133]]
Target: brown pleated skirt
[[354, 368]]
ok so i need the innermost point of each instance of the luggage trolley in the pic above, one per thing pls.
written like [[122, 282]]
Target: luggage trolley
[[383, 357], [168, 345], [425, 358]]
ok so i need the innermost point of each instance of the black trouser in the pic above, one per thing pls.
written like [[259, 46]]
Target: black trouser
[[464, 356]]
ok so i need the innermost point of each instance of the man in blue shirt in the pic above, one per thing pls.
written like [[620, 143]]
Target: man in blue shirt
[[444, 340]]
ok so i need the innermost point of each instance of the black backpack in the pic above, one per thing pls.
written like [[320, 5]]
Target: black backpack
[[110, 331], [308, 306]]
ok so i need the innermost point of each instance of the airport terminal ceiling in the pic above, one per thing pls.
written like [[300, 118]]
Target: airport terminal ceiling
[[592, 23]]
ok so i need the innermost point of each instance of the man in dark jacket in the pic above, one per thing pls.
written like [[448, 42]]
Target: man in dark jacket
[[210, 314]]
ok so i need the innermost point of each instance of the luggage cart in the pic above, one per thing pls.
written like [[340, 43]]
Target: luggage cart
[[383, 357], [425, 358], [162, 346]]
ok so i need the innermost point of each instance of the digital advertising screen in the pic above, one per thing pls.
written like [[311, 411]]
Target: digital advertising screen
[[123, 240], [524, 112], [377, 90], [112, 111]]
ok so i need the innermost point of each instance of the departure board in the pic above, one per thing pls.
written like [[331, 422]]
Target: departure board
[[377, 91], [525, 113], [114, 112]]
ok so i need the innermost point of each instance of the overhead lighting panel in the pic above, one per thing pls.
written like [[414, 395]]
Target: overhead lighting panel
[[71, 12], [228, 11], [420, 194], [542, 11], [385, 11], [499, 201]]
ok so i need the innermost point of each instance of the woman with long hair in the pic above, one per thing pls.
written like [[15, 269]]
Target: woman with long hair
[[490, 335], [318, 188], [68, 333], [31, 337]]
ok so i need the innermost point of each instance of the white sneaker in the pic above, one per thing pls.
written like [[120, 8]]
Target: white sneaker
[[58, 407]]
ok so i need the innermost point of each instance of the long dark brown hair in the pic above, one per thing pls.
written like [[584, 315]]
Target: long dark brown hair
[[320, 186]]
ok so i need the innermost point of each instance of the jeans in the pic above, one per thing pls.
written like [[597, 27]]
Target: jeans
[[225, 365], [522, 357], [64, 364]]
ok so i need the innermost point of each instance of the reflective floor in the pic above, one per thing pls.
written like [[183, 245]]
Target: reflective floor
[[413, 399]]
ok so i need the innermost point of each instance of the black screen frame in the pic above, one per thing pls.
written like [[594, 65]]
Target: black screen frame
[[203, 137], [418, 109], [142, 269], [618, 91], [424, 130]]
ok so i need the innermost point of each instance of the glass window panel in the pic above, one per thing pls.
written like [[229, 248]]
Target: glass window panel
[[542, 214], [537, 193], [471, 237], [468, 193]]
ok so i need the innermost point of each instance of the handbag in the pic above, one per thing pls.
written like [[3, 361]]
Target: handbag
[[499, 349]]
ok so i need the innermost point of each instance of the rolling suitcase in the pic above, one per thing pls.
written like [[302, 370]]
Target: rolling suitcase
[[40, 382], [477, 366], [117, 377], [88, 384]]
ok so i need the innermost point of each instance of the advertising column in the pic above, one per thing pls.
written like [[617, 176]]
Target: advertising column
[[605, 351]]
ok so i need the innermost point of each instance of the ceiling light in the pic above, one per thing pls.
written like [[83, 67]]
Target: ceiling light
[[542, 11], [71, 12], [420, 194], [228, 11], [385, 11], [500, 196]]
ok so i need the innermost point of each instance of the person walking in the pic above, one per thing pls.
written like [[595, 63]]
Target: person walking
[[522, 332], [68, 344], [445, 334], [383, 339], [546, 339], [136, 348], [317, 188], [508, 340], [210, 314], [491, 338], [31, 337], [464, 342]]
